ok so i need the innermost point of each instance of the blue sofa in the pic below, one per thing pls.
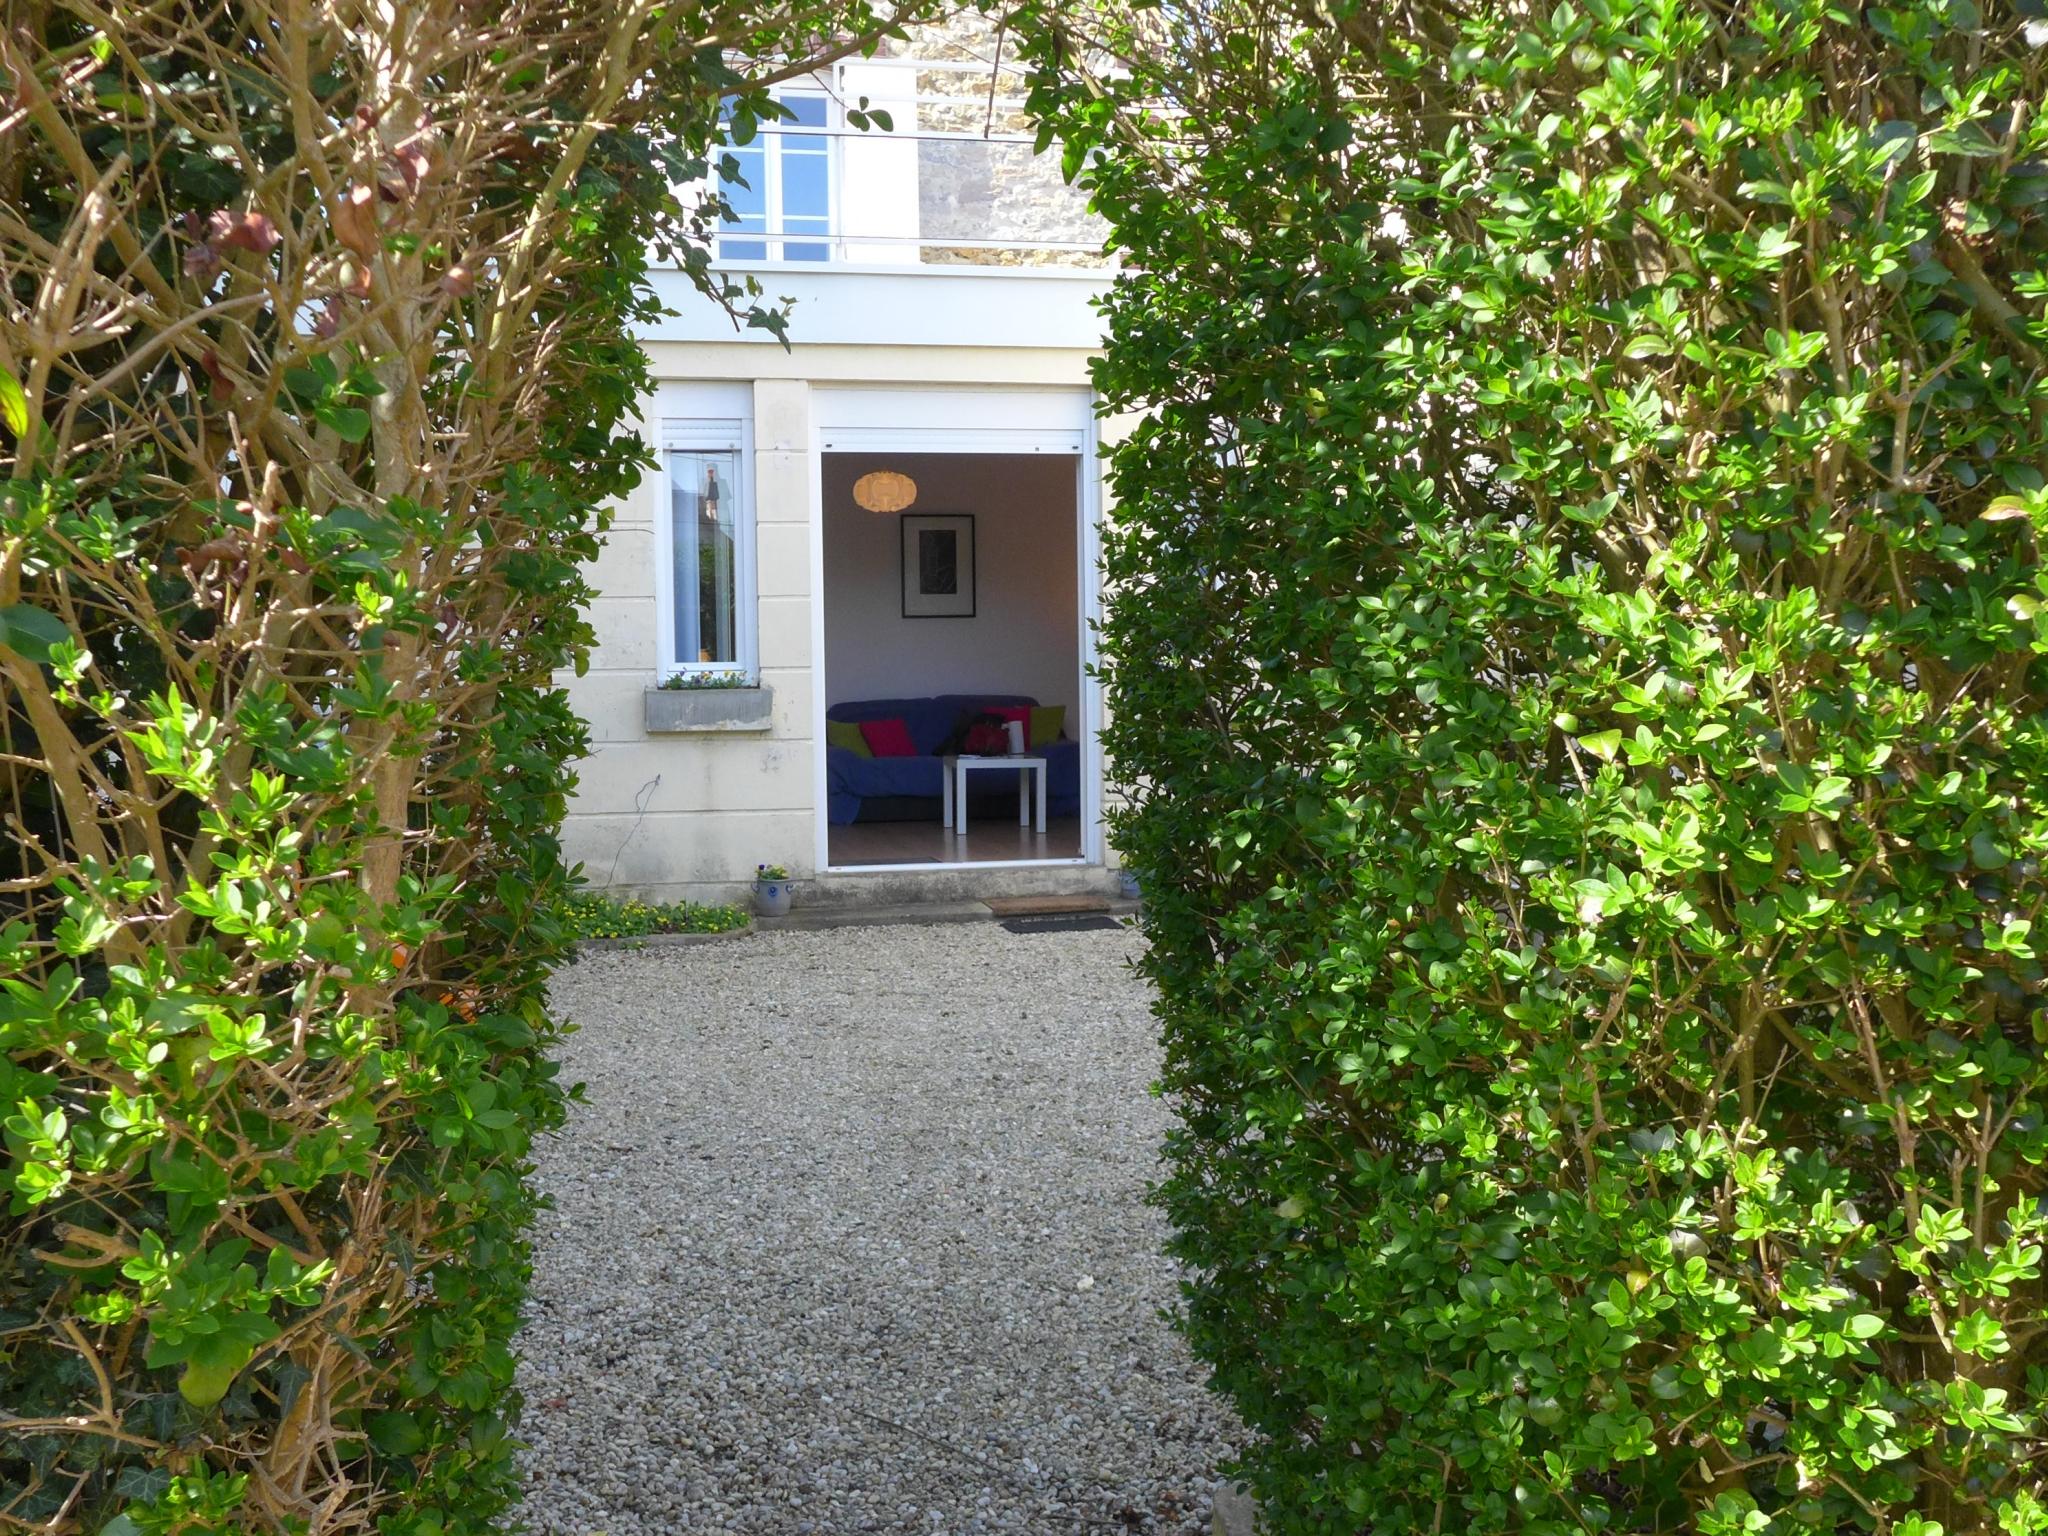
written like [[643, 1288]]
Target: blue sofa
[[898, 788]]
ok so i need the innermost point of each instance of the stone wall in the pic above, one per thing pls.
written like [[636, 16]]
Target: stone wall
[[988, 190]]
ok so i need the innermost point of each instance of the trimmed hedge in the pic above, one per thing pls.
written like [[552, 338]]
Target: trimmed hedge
[[285, 569], [316, 371], [1580, 676]]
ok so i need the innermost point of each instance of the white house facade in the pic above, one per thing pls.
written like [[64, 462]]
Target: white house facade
[[866, 572]]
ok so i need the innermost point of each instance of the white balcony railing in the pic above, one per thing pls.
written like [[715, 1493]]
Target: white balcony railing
[[953, 182]]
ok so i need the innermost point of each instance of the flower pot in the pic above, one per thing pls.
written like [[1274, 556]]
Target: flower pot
[[771, 898], [1127, 884]]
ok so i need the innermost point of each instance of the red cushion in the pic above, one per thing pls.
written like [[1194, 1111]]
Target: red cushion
[[888, 738], [988, 740], [1021, 713]]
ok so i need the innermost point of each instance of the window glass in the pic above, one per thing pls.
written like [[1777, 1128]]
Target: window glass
[[745, 181], [743, 178], [806, 186], [705, 505], [782, 187], [809, 113]]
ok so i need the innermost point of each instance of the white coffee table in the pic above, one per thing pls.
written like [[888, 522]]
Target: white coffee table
[[955, 793]]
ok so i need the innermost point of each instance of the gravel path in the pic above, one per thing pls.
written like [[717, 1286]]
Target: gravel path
[[850, 1237]]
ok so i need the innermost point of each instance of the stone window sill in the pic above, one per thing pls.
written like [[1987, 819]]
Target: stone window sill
[[675, 711]]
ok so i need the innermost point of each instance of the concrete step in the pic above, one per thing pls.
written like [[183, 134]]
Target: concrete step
[[915, 912], [961, 882]]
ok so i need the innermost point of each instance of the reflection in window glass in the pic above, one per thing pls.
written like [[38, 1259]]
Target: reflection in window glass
[[705, 506], [806, 186], [806, 111], [743, 178]]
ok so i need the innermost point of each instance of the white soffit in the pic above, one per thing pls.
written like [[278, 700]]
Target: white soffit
[[940, 307]]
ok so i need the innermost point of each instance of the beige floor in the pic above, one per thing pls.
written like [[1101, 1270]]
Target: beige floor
[[988, 838]]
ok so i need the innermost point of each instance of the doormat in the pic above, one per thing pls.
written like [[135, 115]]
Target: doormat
[[1064, 922], [1043, 906]]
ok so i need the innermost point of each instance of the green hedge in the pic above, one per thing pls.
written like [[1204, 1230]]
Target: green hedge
[[1579, 667], [316, 373], [285, 572]]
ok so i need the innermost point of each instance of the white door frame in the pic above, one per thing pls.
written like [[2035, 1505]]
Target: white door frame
[[1080, 442]]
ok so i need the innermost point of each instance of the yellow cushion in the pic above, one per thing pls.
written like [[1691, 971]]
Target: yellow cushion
[[846, 733], [1048, 723]]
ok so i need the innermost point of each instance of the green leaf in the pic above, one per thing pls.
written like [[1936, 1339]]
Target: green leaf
[[1979, 1333], [350, 423], [1967, 139], [396, 1434], [31, 633], [13, 404], [204, 1383], [1864, 1325], [1602, 744], [1775, 244], [307, 385]]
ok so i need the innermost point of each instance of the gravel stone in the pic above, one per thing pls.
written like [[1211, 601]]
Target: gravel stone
[[850, 1236]]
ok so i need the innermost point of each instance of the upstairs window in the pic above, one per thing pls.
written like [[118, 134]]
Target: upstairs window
[[781, 196]]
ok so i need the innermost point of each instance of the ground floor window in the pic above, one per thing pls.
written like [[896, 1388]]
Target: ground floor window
[[711, 622]]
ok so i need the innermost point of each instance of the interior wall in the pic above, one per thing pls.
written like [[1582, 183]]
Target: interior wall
[[1024, 636]]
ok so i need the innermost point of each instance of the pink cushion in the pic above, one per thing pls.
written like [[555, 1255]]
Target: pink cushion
[[888, 738]]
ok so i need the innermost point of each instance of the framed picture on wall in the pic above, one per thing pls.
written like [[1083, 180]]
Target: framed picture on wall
[[938, 565]]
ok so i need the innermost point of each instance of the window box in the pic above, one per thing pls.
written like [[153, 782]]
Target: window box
[[674, 710]]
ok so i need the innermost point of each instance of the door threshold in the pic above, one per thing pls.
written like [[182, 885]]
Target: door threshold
[[928, 866]]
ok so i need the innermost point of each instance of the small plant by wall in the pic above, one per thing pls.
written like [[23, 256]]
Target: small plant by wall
[[594, 915], [1581, 680]]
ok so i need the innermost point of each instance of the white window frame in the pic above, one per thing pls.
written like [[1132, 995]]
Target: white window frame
[[732, 435], [775, 238]]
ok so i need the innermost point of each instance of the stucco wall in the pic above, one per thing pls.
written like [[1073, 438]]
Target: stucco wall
[[1024, 636], [689, 816], [676, 815]]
